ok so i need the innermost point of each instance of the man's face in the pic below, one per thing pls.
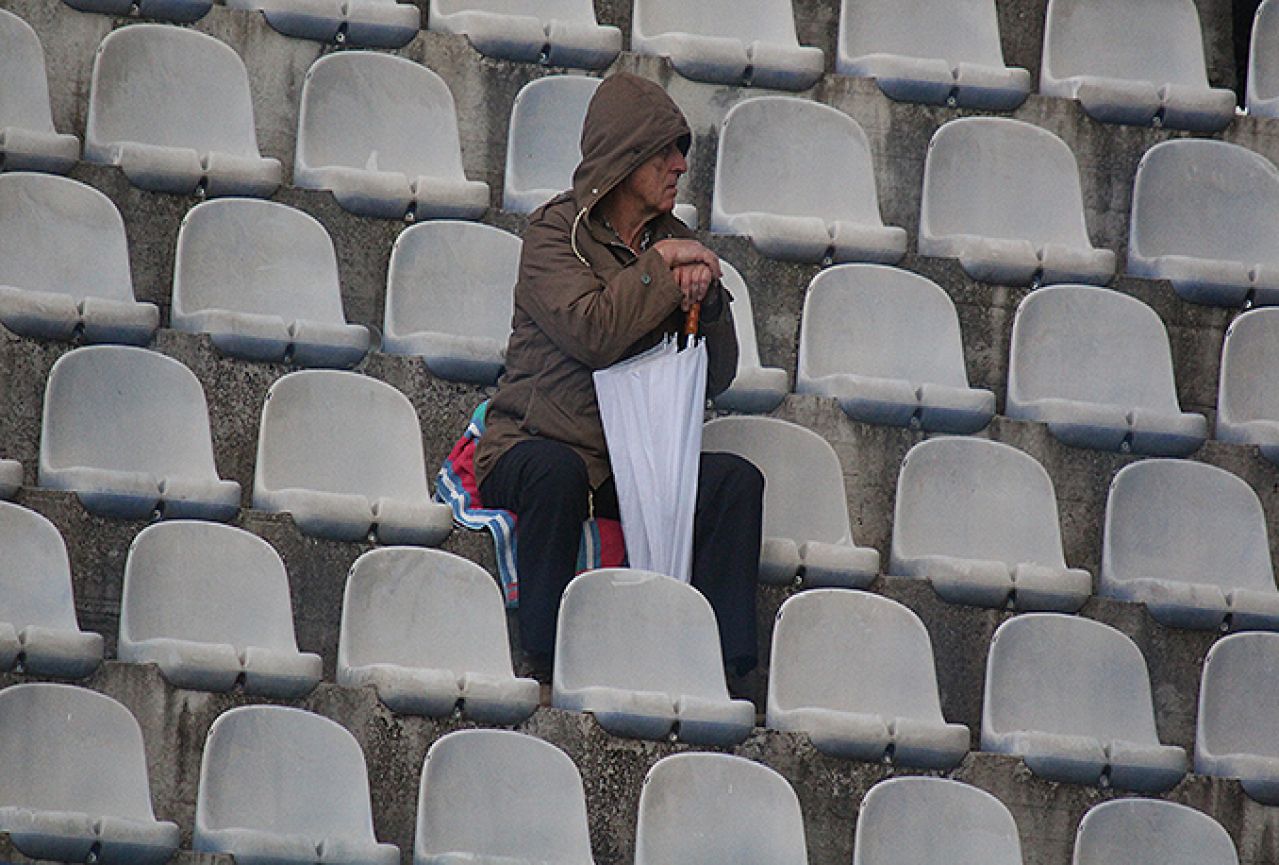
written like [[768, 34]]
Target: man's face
[[654, 182]]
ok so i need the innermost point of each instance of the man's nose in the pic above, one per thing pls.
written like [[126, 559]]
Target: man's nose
[[680, 163]]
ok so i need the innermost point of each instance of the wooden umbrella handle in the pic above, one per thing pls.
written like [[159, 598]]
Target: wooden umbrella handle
[[693, 320]]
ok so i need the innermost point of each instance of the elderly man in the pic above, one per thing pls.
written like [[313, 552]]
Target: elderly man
[[606, 273]]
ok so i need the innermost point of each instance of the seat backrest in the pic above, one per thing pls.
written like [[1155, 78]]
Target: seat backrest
[[1140, 40], [1238, 708], [877, 321], [934, 821], [62, 236], [744, 20], [718, 809], [1263, 56], [957, 31], [743, 316], [499, 795], [544, 143], [1249, 362], [1151, 832], [578, 11], [24, 95], [35, 573]]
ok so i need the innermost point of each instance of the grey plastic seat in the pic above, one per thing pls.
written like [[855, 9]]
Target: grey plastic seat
[[1204, 218], [38, 629], [718, 809], [261, 278], [1237, 731], [427, 629], [1071, 697], [1247, 407], [90, 798], [10, 478], [282, 785], [28, 139], [543, 145], [1151, 832], [177, 11], [1263, 62], [210, 605], [1004, 198], [640, 651], [342, 453], [375, 23], [1096, 366], [978, 519], [553, 32], [496, 796], [756, 388], [767, 189], [1140, 62], [806, 526], [934, 51], [171, 107], [934, 821], [449, 298], [728, 41], [127, 430], [1189, 541], [886, 344], [855, 672], [64, 263], [380, 133]]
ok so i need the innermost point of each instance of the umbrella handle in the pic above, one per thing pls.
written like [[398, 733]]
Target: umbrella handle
[[693, 320]]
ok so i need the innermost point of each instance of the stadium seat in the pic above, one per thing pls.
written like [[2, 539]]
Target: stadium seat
[[1204, 217], [1071, 697], [1004, 198], [209, 604], [978, 519], [90, 799], [1151, 832], [64, 264], [1139, 62], [10, 478], [1096, 366], [38, 629], [1235, 735], [496, 796], [886, 344], [380, 133], [934, 821], [756, 388], [806, 527], [728, 41], [718, 809], [374, 23], [427, 629], [314, 460], [1247, 406], [448, 298], [808, 198], [171, 107], [553, 32], [176, 11], [1263, 68], [640, 651], [28, 140], [261, 279], [855, 672], [934, 51], [543, 145], [281, 785], [127, 430], [1188, 540]]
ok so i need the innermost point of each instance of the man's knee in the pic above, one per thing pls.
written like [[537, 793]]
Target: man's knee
[[734, 475], [555, 470]]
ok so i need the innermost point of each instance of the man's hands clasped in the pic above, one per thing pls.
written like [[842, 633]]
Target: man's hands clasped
[[693, 265]]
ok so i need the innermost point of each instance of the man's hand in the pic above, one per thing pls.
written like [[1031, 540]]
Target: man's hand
[[694, 280], [694, 267]]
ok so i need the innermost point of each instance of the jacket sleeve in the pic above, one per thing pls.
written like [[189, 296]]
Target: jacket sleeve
[[721, 344]]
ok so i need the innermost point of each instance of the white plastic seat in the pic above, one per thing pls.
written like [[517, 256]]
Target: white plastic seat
[[427, 629], [1204, 217], [1237, 731], [886, 344], [38, 629], [496, 796], [640, 651], [1071, 697], [1096, 366], [934, 51], [1151, 832], [171, 107], [28, 139], [176, 11], [756, 388], [127, 430], [749, 42], [1003, 197], [64, 264], [806, 526], [380, 133], [73, 779], [978, 519], [543, 144], [261, 278], [1247, 407], [855, 672], [718, 809], [449, 298], [934, 821], [281, 785], [1139, 61], [210, 605], [1263, 62], [553, 32], [375, 23], [342, 453], [767, 188]]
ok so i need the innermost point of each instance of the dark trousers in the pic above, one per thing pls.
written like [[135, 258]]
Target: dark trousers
[[544, 482]]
